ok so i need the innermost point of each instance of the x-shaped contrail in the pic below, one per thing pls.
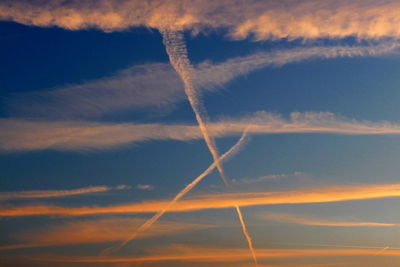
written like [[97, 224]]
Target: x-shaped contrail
[[176, 49], [145, 226], [178, 56]]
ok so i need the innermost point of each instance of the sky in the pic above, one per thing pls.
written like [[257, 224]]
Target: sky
[[199, 133]]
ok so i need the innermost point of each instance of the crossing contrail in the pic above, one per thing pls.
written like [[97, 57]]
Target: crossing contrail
[[176, 49], [234, 149]]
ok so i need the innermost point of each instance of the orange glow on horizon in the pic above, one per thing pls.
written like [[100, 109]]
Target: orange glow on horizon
[[220, 201]]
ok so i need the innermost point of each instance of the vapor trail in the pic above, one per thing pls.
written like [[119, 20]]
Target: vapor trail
[[234, 149], [177, 53], [247, 235], [176, 49], [382, 250]]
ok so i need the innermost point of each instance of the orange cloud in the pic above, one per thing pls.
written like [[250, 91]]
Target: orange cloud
[[96, 231], [291, 265], [263, 19], [220, 201], [188, 253], [307, 220]]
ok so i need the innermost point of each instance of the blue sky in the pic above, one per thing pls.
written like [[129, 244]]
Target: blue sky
[[98, 134]]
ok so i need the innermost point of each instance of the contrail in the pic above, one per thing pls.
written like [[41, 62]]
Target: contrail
[[177, 52], [176, 49], [382, 250], [181, 194], [247, 235], [336, 245]]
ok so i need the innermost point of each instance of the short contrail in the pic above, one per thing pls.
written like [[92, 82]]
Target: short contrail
[[182, 193], [176, 49], [382, 250], [246, 234]]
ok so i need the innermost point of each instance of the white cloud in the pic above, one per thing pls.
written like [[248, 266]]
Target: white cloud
[[267, 178], [145, 187], [156, 85], [141, 86], [24, 135], [318, 221], [58, 193]]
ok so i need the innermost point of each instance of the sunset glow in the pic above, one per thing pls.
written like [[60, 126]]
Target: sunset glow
[[200, 133]]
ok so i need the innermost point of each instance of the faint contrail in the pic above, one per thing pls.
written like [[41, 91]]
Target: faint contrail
[[176, 49], [382, 250], [182, 193], [246, 234], [58, 193]]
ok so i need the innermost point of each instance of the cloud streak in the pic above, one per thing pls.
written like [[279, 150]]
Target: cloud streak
[[309, 220], [263, 19], [220, 201], [145, 187], [188, 253], [30, 135], [58, 193], [91, 231], [138, 87]]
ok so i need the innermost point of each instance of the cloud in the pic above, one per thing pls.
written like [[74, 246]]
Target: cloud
[[209, 75], [137, 87], [29, 135], [266, 178], [146, 187], [263, 19], [282, 265], [309, 220], [324, 194], [95, 231], [295, 265], [58, 193], [190, 253], [157, 85], [20, 135]]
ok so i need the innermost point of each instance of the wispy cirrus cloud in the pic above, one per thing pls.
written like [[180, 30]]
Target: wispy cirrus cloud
[[147, 187], [29, 135], [208, 254], [267, 178], [153, 85], [219, 201], [58, 193], [103, 230], [20, 135], [157, 85], [316, 221], [263, 19]]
